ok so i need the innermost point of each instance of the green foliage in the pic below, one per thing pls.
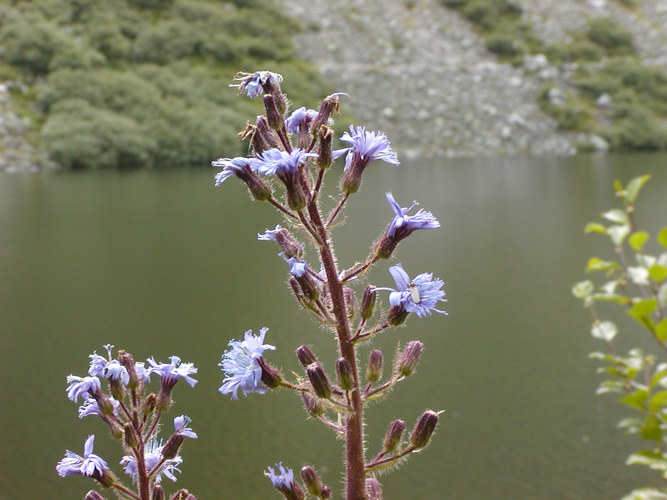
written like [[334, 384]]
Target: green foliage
[[638, 283], [147, 78], [611, 36], [576, 50], [505, 45]]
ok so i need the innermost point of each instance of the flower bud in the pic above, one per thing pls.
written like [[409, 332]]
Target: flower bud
[[126, 360], [407, 361], [374, 370], [393, 436], [312, 481], [368, 302], [287, 243], [170, 450], [318, 380], [424, 429], [312, 406], [158, 493], [103, 403], [130, 435], [115, 428], [264, 134], [148, 405], [93, 495], [273, 116], [117, 388], [298, 293], [296, 196], [105, 478], [328, 106], [351, 181], [306, 356], [373, 489], [345, 375], [397, 315], [182, 494], [271, 377], [324, 154], [325, 493]]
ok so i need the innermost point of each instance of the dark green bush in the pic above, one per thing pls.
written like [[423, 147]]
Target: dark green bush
[[79, 136], [164, 42], [488, 14], [30, 46], [453, 4], [636, 129], [504, 45], [108, 39], [611, 36], [575, 51]]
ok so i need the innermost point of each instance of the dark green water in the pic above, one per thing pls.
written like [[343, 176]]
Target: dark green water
[[162, 263]]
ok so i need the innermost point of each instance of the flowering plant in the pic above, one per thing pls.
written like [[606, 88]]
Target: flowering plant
[[133, 415], [291, 156], [636, 280]]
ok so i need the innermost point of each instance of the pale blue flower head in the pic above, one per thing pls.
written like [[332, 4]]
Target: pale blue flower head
[[180, 427], [241, 365], [403, 224], [284, 482], [280, 163], [142, 373], [171, 372], [297, 267], [300, 119], [366, 146], [91, 407], [240, 167], [82, 387], [89, 464], [153, 457], [419, 296], [257, 83]]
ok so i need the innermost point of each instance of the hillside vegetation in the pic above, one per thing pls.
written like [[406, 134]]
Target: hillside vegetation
[[143, 83]]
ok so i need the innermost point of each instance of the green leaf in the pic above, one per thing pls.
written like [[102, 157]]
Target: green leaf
[[618, 233], [651, 429], [638, 240], [662, 237], [583, 289], [652, 458], [617, 215], [642, 309], [658, 401], [657, 273], [634, 186], [661, 330], [595, 264], [636, 399], [610, 297], [594, 227]]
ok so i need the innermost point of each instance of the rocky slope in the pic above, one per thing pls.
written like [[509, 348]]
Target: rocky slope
[[419, 72]]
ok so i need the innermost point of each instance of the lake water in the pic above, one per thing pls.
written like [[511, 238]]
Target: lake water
[[163, 263]]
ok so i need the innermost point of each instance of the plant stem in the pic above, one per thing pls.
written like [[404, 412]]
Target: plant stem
[[354, 433]]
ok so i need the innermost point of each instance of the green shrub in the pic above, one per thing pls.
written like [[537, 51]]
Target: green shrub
[[611, 36], [164, 42], [453, 4], [636, 129], [575, 51], [79, 136], [30, 46], [108, 39], [505, 46]]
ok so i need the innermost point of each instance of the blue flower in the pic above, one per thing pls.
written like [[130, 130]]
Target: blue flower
[[282, 164], [170, 373], [366, 146], [300, 118], [403, 224], [241, 365], [153, 458], [255, 84], [419, 296], [92, 407], [284, 482], [180, 424], [89, 464], [239, 166], [82, 387], [297, 267]]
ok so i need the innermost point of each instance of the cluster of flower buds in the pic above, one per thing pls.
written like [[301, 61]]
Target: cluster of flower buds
[[291, 153], [117, 391]]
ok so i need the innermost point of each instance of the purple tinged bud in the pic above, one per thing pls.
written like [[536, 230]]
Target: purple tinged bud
[[407, 361], [318, 380], [374, 370], [424, 429], [329, 105], [313, 407], [368, 302], [104, 403], [158, 493], [299, 269], [306, 356], [243, 169], [170, 450], [125, 359], [373, 489], [325, 493], [393, 436], [350, 301], [182, 494], [265, 135], [345, 375], [130, 435], [115, 428], [287, 243], [298, 293], [312, 481], [397, 315], [324, 153], [93, 495], [117, 388], [273, 116], [149, 404], [271, 377]]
